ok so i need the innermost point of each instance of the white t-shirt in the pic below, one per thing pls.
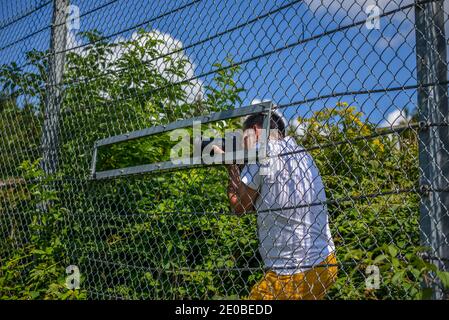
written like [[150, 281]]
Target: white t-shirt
[[293, 235]]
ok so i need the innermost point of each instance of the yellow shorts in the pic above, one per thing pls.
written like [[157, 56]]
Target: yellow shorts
[[308, 285]]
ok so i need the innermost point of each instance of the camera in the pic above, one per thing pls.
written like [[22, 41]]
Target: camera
[[239, 154], [219, 142]]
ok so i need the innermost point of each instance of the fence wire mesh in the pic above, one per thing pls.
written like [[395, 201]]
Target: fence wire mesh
[[360, 85]]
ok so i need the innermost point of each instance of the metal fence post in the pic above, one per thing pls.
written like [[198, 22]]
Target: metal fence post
[[434, 136], [56, 62]]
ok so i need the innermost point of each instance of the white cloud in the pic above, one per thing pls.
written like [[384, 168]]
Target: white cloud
[[169, 44], [297, 128], [395, 118]]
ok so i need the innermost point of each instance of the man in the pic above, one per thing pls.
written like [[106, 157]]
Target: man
[[288, 194]]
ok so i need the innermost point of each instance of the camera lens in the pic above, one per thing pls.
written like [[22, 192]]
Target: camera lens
[[221, 143]]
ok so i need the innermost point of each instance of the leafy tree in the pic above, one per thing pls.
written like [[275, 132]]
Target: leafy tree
[[98, 103]]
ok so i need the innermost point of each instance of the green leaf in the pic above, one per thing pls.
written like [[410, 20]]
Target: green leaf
[[392, 250], [380, 258], [444, 277]]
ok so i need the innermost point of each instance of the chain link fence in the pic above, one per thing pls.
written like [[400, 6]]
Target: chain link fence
[[360, 85]]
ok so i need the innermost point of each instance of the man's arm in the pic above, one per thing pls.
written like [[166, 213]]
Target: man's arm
[[241, 197]]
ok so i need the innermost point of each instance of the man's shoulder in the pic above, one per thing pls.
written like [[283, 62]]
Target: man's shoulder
[[285, 145]]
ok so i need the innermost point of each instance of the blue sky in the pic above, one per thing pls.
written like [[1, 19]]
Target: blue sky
[[355, 59]]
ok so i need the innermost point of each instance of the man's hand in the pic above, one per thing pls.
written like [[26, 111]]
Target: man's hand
[[241, 197], [217, 150]]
